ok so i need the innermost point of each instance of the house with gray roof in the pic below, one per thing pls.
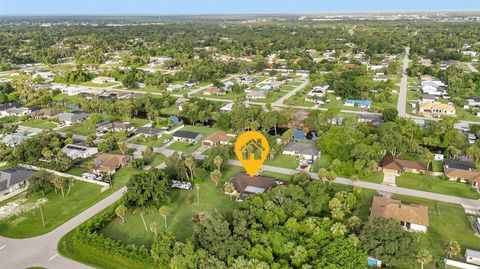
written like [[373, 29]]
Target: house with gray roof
[[68, 118], [149, 131], [14, 139], [78, 151], [187, 136], [308, 151], [13, 179]]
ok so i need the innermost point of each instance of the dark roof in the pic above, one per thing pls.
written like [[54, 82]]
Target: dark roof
[[186, 134], [6, 106], [149, 131], [14, 175], [303, 148], [246, 185], [461, 165]]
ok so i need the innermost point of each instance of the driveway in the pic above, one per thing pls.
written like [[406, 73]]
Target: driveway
[[389, 179]]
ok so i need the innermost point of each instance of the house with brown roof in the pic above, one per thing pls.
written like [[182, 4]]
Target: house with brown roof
[[412, 217], [246, 185], [109, 163], [218, 138], [462, 171], [396, 166]]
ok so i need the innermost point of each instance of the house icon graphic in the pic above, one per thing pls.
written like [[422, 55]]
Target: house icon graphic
[[252, 148]]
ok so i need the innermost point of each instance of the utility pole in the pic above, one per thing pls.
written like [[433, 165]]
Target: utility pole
[[41, 214], [198, 198]]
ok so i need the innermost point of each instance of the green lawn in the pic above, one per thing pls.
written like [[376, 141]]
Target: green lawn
[[184, 147], [182, 211], [171, 110], [57, 210], [283, 161], [447, 221], [76, 171], [157, 159], [42, 124], [100, 85], [200, 129], [151, 141], [436, 184]]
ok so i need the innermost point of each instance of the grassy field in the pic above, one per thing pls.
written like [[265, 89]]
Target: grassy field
[[447, 221], [57, 210], [76, 171], [182, 210], [151, 141], [157, 159], [200, 129], [184, 147], [436, 184], [171, 110], [42, 124], [100, 85], [283, 161]]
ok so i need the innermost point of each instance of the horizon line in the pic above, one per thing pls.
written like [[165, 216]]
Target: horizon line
[[248, 13]]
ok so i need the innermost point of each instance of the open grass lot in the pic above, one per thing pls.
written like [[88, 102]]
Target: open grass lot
[[57, 210], [99, 85], [298, 100], [157, 159], [150, 141], [171, 110], [76, 171], [84, 128], [447, 221], [283, 161], [182, 211], [200, 129], [184, 147], [42, 124], [436, 184]]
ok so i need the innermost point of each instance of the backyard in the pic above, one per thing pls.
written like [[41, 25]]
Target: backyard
[[184, 147], [41, 124]]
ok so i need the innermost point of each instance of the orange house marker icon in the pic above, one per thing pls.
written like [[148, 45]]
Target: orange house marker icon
[[252, 149]]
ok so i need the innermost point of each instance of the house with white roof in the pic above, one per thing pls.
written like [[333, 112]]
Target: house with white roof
[[78, 151]]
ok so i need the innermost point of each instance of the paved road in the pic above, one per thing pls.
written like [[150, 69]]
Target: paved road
[[402, 97], [469, 204], [280, 101], [42, 250]]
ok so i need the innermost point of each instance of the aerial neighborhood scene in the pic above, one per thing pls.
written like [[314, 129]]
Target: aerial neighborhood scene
[[128, 130]]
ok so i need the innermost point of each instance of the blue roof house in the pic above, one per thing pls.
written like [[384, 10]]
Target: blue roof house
[[359, 103]]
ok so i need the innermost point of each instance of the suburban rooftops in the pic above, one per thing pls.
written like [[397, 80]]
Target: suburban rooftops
[[303, 148], [186, 134], [394, 209]]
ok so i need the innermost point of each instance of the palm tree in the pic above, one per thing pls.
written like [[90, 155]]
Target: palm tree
[[322, 174], [229, 189], [353, 239], [154, 228], [122, 147], [70, 182], [58, 183], [452, 248], [424, 257], [338, 229], [354, 223], [164, 213], [189, 164], [218, 160], [216, 176], [272, 153], [121, 211], [331, 176], [428, 157]]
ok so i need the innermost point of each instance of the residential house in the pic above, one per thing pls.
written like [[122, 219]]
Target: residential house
[[14, 139], [68, 118], [149, 132], [103, 80], [14, 178], [218, 138], [472, 256], [44, 75], [6, 106], [175, 87], [158, 61], [473, 101], [255, 95], [246, 185], [265, 88], [78, 151], [213, 91], [115, 126], [412, 217], [187, 136], [226, 108], [462, 170], [375, 120], [426, 62], [437, 109], [278, 84], [380, 77], [428, 98], [433, 87], [365, 104], [396, 166], [471, 138], [21, 111], [246, 80], [319, 91], [45, 113], [307, 151], [109, 163], [179, 103]]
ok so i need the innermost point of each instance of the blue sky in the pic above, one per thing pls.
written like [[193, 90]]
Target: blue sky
[[47, 7]]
